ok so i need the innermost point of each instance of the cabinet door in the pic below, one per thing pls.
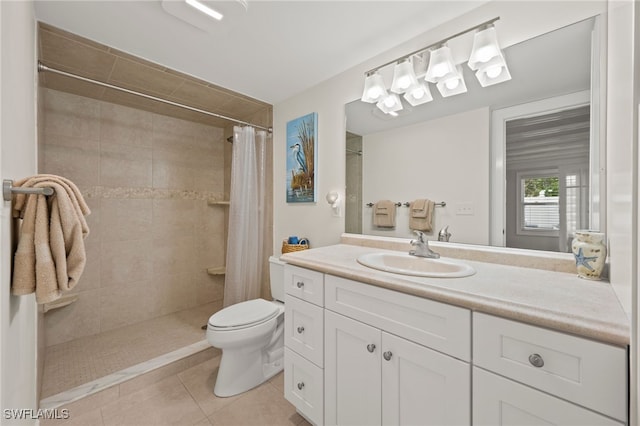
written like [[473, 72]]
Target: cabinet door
[[498, 401], [352, 372], [423, 387]]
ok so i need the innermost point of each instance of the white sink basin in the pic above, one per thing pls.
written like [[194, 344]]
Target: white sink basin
[[406, 264]]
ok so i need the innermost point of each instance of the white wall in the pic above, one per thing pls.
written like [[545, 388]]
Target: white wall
[[519, 21], [17, 159], [446, 159]]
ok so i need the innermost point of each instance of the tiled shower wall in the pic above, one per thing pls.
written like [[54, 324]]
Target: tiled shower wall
[[147, 178]]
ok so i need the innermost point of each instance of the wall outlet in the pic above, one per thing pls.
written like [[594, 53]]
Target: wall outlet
[[464, 209]]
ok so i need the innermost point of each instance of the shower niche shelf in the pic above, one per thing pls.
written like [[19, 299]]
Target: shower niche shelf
[[220, 270], [218, 202]]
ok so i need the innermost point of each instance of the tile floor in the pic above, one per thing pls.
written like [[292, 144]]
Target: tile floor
[[187, 398], [80, 361]]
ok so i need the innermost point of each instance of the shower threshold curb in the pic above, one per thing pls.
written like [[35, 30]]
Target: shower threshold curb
[[138, 371]]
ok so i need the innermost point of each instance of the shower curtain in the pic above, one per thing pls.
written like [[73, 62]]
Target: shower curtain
[[246, 217]]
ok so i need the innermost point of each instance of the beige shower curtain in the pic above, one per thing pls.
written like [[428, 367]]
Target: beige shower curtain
[[244, 272]]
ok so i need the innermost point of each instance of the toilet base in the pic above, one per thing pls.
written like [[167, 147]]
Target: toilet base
[[242, 370]]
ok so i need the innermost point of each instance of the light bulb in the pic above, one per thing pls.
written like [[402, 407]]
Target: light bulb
[[389, 101], [452, 83], [418, 93], [440, 70], [494, 71], [485, 53], [404, 82], [375, 92]]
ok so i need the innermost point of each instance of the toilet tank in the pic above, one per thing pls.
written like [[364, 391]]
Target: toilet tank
[[276, 272]]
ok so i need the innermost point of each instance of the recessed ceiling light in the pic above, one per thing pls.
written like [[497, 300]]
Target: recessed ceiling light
[[205, 9]]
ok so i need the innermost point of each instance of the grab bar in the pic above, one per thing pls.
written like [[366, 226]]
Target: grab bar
[[8, 189]]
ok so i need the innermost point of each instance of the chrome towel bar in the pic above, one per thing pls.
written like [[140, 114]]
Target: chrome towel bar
[[8, 189]]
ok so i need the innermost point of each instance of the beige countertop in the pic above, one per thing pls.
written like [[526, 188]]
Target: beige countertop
[[556, 300]]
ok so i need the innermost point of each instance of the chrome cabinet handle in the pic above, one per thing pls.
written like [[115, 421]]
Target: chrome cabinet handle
[[536, 360], [300, 385], [300, 330], [299, 284], [387, 355], [371, 347]]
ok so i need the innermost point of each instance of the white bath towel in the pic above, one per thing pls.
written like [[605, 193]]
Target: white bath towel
[[421, 215], [50, 257], [384, 214]]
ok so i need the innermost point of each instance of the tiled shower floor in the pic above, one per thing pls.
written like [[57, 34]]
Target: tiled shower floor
[[83, 360]]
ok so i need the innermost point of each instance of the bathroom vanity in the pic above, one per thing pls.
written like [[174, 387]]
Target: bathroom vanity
[[507, 345]]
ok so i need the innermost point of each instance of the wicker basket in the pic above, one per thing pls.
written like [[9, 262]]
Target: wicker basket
[[290, 248]]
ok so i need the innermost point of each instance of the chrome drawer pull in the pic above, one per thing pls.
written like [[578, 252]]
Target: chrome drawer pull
[[387, 355], [300, 385], [371, 347], [300, 330], [299, 284], [536, 360]]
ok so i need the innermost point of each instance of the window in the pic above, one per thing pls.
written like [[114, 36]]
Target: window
[[539, 204]]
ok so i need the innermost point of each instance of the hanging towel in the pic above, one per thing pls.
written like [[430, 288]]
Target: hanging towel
[[384, 214], [421, 215], [50, 256]]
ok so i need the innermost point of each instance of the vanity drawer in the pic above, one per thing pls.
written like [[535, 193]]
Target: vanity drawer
[[500, 401], [588, 373], [436, 325], [304, 329], [304, 284], [304, 386]]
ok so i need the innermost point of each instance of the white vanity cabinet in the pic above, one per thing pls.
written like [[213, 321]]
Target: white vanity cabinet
[[569, 380], [375, 374], [304, 342]]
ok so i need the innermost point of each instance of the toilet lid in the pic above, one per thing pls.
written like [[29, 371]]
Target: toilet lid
[[244, 313]]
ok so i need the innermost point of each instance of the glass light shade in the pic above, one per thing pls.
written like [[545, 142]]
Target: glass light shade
[[418, 94], [485, 48], [403, 77], [390, 103], [440, 64], [374, 89], [493, 72], [452, 83]]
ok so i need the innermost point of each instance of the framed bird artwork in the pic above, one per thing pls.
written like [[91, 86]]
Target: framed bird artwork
[[302, 156]]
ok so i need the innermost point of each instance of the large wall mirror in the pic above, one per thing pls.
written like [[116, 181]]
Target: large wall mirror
[[515, 164]]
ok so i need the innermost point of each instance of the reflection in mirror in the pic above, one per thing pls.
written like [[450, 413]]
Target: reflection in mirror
[[533, 132]]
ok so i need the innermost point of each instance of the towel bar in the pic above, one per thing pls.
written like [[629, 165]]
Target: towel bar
[[398, 204], [8, 189], [407, 204]]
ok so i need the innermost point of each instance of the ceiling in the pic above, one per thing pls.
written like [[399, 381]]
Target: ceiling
[[274, 50]]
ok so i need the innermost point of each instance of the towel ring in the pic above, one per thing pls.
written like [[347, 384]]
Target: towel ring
[[8, 189]]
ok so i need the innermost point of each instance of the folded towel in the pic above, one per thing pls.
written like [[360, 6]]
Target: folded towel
[[419, 208], [50, 257], [421, 215], [384, 214]]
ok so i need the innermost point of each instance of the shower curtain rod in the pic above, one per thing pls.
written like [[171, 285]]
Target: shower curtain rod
[[42, 67]]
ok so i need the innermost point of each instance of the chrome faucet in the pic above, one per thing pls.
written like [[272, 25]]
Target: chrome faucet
[[444, 234], [422, 247]]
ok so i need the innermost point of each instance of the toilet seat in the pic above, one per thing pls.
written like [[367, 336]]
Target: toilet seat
[[243, 315]]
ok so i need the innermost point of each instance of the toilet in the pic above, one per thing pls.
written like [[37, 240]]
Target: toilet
[[251, 337]]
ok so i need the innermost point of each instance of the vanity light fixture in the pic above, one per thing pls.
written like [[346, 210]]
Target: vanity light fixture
[[440, 64], [418, 94], [390, 103], [205, 9], [374, 89], [452, 83], [403, 76], [486, 59]]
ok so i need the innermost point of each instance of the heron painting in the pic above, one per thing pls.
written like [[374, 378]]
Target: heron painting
[[302, 137]]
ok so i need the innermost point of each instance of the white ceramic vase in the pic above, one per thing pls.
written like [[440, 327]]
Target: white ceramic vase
[[590, 251]]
